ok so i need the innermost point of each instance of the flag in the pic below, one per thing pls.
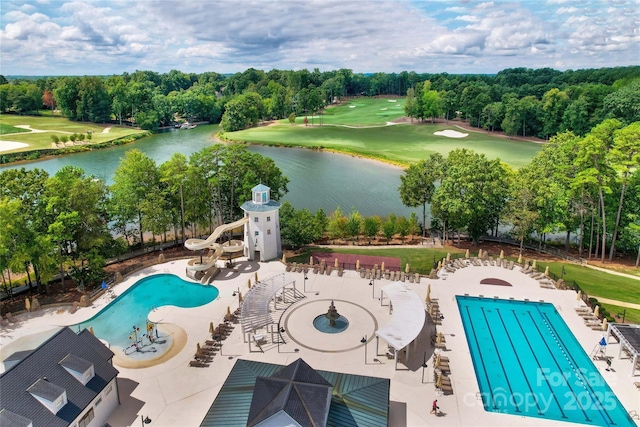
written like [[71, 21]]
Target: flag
[[603, 342], [563, 272]]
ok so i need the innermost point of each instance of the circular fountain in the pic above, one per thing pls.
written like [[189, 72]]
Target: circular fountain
[[331, 322]]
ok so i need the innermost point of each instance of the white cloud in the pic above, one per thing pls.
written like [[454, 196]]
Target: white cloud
[[106, 37]]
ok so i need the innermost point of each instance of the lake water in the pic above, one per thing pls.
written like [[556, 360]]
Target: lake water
[[317, 179]]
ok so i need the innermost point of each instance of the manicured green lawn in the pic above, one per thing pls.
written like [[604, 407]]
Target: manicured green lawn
[[419, 260], [360, 112], [59, 126], [403, 143], [10, 129]]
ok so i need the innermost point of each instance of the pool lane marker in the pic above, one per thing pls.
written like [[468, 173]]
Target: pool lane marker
[[585, 384]]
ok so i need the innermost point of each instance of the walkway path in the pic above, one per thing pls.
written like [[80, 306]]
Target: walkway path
[[618, 303], [617, 273]]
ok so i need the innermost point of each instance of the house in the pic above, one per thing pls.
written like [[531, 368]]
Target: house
[[265, 394], [69, 380]]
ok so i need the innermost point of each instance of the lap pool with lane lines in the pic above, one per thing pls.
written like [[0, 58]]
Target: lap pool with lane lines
[[528, 363]]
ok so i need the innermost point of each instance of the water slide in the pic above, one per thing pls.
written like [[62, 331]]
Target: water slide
[[206, 262]]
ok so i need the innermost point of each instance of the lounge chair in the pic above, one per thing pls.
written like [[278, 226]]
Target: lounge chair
[[637, 384], [198, 364]]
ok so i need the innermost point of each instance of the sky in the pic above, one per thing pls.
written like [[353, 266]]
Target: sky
[[55, 37]]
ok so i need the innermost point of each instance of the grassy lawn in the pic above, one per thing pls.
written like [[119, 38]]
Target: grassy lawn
[[59, 126], [403, 143], [360, 112], [420, 260], [10, 129]]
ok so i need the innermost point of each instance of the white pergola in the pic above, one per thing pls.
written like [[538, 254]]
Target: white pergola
[[254, 310], [629, 337], [407, 319]]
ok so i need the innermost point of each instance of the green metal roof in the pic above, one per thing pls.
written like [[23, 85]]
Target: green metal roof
[[356, 400]]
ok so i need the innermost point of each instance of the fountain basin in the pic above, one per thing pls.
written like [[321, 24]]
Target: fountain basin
[[321, 323]]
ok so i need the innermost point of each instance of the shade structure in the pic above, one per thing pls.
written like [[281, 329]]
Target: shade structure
[[439, 341], [406, 268], [428, 288], [596, 312], [240, 297], [439, 265], [428, 298], [479, 253], [228, 315], [439, 381], [579, 295], [255, 311], [198, 350], [501, 254], [438, 360], [248, 283], [335, 264], [284, 258], [546, 271], [27, 304], [91, 330], [211, 328], [311, 260], [407, 319], [382, 266], [534, 264], [604, 324], [520, 259], [256, 275], [448, 256], [357, 264], [431, 310]]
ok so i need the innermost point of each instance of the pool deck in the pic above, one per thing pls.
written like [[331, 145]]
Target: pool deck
[[174, 394]]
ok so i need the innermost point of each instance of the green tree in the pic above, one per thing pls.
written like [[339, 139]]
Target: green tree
[[431, 102], [354, 224], [402, 227], [418, 184], [173, 174], [134, 181], [389, 227], [371, 227], [337, 225]]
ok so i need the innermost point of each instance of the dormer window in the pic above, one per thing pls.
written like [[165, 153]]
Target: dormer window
[[79, 368], [50, 395], [260, 194]]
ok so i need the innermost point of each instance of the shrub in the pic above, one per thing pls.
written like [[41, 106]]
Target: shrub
[[81, 137], [55, 138], [73, 137], [64, 138]]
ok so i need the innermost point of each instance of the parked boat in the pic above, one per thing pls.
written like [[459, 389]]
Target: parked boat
[[187, 125]]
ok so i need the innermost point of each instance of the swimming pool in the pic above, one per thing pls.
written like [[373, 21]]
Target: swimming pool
[[528, 363], [115, 322]]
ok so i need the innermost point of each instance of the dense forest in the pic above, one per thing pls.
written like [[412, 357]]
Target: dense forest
[[518, 101], [585, 181]]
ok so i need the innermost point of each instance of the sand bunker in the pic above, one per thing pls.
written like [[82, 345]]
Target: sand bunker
[[11, 145], [352, 106], [392, 100], [451, 133]]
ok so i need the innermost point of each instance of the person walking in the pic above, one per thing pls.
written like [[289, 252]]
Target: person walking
[[434, 407]]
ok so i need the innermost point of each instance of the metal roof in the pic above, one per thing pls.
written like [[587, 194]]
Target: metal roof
[[250, 206], [44, 362], [356, 400], [407, 319]]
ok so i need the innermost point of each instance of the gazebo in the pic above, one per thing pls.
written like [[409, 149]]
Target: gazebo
[[255, 316]]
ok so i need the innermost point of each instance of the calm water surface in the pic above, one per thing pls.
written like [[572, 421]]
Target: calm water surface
[[317, 179]]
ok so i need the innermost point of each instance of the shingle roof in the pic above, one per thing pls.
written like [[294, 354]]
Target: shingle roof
[[356, 400], [44, 362], [11, 419], [78, 364], [46, 390]]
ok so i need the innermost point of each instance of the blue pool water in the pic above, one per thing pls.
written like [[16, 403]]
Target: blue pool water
[[115, 322], [528, 363]]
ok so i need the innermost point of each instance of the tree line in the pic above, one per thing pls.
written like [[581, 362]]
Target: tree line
[[589, 185], [66, 223], [518, 101]]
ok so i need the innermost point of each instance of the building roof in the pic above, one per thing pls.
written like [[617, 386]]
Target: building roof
[[356, 400], [260, 188], [42, 371], [250, 206], [297, 390], [11, 419], [408, 316]]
